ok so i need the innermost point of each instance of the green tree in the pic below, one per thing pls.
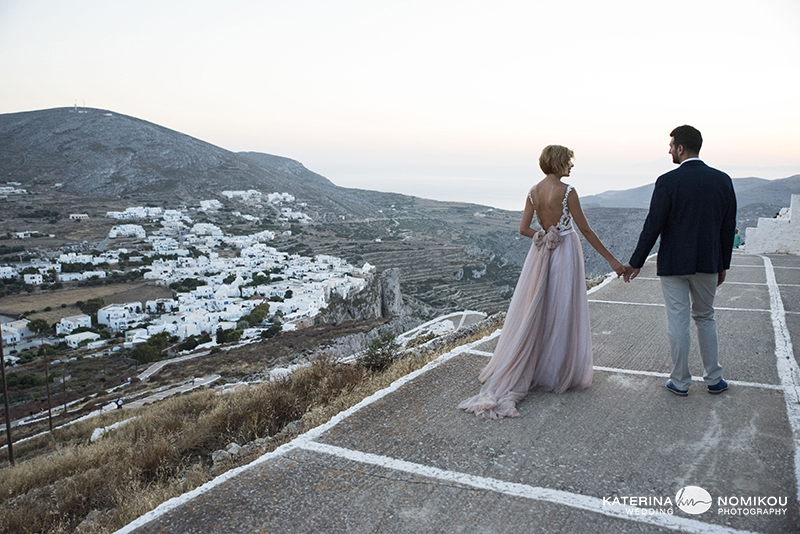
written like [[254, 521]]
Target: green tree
[[23, 380], [381, 351], [257, 315], [39, 326], [91, 306], [151, 350], [273, 330], [259, 279], [228, 336]]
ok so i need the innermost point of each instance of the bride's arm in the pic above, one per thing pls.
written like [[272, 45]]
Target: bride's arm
[[575, 209], [527, 217]]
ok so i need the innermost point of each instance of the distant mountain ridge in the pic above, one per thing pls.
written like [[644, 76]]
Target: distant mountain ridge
[[749, 191], [104, 154]]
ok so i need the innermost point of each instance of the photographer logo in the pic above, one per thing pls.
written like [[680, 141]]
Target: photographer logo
[[693, 500]]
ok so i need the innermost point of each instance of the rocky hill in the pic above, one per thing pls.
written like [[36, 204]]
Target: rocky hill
[[101, 154]]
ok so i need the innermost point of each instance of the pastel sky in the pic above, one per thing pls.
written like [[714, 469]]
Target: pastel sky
[[451, 100]]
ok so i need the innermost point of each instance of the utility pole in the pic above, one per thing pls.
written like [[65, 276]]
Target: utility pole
[[47, 386], [64, 383], [5, 400]]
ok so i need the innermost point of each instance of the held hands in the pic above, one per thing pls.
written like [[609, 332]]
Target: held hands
[[630, 273], [627, 272]]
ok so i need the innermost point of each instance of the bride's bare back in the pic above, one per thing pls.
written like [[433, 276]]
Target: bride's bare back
[[548, 196]]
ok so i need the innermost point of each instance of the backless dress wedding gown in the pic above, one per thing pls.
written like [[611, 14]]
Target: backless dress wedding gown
[[546, 339]]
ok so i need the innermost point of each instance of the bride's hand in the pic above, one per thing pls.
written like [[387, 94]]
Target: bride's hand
[[617, 267]]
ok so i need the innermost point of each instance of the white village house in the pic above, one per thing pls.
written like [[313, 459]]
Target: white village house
[[33, 279], [127, 230], [67, 324], [120, 317], [15, 331], [74, 340]]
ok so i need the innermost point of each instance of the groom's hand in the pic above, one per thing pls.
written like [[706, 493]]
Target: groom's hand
[[721, 278]]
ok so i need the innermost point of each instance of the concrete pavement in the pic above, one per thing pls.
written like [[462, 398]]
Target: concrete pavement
[[610, 458]]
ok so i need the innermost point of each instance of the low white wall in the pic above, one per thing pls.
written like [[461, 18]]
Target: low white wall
[[776, 236]]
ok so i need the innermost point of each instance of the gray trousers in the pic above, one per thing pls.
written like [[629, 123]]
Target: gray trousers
[[684, 297]]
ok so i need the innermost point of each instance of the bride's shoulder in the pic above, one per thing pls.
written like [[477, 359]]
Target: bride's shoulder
[[538, 187]]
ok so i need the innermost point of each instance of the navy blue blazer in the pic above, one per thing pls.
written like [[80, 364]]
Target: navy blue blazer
[[693, 209]]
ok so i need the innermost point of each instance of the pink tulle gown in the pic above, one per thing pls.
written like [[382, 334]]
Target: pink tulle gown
[[546, 340]]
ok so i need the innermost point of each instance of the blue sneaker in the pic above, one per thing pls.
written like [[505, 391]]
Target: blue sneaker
[[681, 392], [719, 387]]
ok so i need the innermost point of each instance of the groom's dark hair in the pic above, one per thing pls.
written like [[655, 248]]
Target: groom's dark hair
[[689, 137]]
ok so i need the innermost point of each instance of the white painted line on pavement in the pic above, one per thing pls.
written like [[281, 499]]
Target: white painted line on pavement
[[761, 266], [657, 279], [481, 353], [748, 266], [654, 374], [727, 283], [512, 489], [788, 370], [657, 305], [627, 303], [718, 308], [694, 378]]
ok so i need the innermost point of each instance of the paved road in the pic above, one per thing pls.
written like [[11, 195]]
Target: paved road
[[610, 458], [183, 387]]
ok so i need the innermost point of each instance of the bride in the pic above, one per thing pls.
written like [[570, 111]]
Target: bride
[[546, 340]]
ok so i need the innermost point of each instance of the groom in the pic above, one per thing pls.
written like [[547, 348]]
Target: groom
[[693, 209]]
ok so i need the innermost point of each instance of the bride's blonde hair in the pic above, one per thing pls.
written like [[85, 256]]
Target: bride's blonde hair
[[555, 159]]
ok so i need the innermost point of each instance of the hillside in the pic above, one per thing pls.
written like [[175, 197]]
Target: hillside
[[452, 255], [91, 161]]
